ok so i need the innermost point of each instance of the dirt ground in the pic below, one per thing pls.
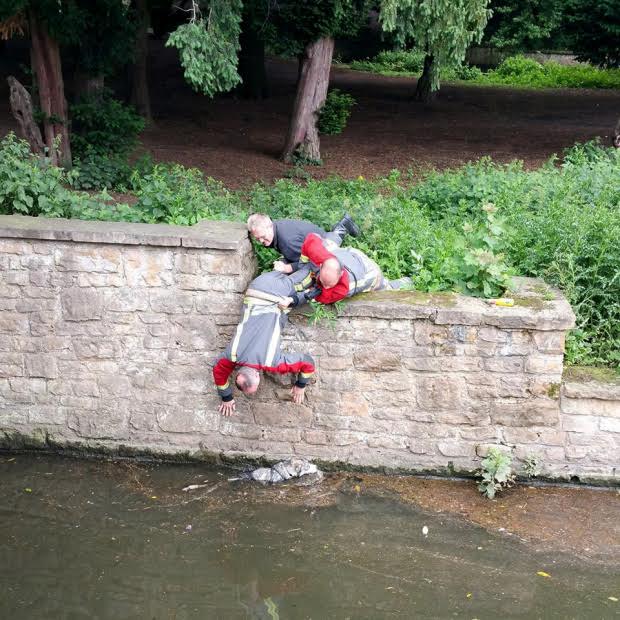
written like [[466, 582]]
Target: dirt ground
[[238, 142]]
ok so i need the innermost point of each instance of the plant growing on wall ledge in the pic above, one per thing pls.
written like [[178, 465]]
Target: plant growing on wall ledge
[[496, 473]]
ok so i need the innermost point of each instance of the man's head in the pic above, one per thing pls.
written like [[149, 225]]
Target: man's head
[[261, 228], [248, 380], [330, 273]]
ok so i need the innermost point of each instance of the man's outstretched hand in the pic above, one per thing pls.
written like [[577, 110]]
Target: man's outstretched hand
[[282, 266], [298, 394], [227, 408]]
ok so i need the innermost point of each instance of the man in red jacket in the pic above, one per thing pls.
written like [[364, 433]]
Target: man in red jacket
[[342, 272]]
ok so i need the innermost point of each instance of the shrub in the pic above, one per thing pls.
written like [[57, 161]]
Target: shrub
[[335, 112], [496, 473], [177, 195], [513, 71], [96, 171], [104, 126]]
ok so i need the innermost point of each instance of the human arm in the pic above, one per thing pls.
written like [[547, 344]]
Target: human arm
[[283, 267], [222, 370], [313, 250]]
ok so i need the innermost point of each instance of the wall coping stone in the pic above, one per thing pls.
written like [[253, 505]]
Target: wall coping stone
[[537, 306], [209, 234]]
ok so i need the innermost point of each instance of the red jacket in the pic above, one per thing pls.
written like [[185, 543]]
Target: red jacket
[[314, 251]]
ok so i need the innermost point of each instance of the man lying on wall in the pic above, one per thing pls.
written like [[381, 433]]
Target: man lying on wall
[[287, 236], [339, 273], [256, 344]]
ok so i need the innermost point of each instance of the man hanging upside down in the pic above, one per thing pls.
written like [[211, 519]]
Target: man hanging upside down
[[256, 344]]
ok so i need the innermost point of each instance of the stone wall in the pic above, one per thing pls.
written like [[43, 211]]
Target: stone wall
[[108, 333]]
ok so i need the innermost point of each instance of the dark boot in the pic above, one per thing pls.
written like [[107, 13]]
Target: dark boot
[[346, 226]]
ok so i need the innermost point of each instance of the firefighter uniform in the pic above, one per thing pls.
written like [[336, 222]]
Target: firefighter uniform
[[289, 235], [359, 273], [257, 340]]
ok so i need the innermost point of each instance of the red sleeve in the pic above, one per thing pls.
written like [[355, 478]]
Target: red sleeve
[[313, 250], [221, 371], [336, 293]]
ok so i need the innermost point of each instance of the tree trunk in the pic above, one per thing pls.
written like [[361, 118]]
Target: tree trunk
[[424, 90], [252, 64], [139, 78], [615, 140], [47, 69], [303, 135], [21, 106]]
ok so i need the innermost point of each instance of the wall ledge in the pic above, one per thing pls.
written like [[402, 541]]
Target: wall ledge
[[537, 306], [208, 234]]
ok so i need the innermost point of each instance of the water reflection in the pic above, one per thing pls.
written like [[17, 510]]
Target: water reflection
[[106, 541]]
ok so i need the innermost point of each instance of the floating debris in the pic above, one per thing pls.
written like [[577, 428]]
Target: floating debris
[[285, 470]]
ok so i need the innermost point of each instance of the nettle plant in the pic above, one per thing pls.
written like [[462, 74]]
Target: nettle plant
[[479, 266], [496, 473]]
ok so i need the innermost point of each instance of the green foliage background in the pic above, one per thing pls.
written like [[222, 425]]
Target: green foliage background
[[560, 222]]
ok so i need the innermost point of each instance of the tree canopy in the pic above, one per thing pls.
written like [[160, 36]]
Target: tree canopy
[[442, 29]]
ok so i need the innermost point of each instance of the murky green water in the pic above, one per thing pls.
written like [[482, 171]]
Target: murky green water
[[101, 540]]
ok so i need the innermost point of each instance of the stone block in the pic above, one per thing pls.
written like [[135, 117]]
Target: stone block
[[353, 404], [492, 334], [463, 333], [591, 389], [456, 448], [521, 412], [550, 342], [47, 414], [463, 416], [126, 300], [292, 435], [187, 261], [591, 406], [388, 441], [377, 360], [580, 424], [41, 365], [147, 267], [109, 423], [430, 334], [545, 364], [482, 450], [339, 381], [512, 364], [81, 304], [576, 453], [326, 362], [25, 385], [282, 414], [13, 323], [114, 386], [514, 386], [182, 420], [100, 280], [243, 431], [88, 259], [170, 302], [610, 425], [439, 392], [315, 437], [96, 348]]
